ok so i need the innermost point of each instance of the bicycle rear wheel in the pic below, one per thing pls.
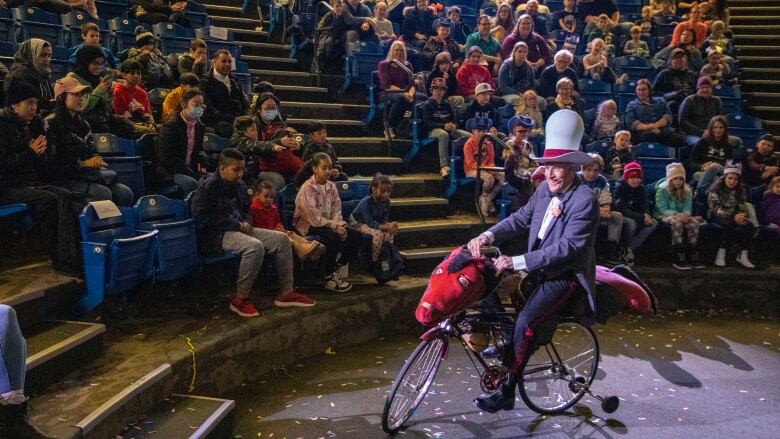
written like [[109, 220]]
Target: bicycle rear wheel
[[413, 381], [555, 376]]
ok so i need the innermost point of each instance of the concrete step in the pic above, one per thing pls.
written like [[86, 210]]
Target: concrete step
[[440, 232], [753, 73], [423, 260], [318, 109], [184, 416], [57, 348], [747, 19], [264, 49], [299, 78], [242, 34], [763, 9], [410, 185], [37, 294], [236, 22], [371, 164], [415, 208], [752, 29], [336, 127], [757, 50], [278, 63], [763, 98], [301, 93]]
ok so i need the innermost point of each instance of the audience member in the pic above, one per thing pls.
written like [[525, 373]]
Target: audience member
[[317, 141], [74, 161], [548, 80], [472, 73], [619, 155], [538, 50], [372, 215], [196, 60], [156, 11], [155, 70], [716, 68], [318, 212], [695, 62], [696, 111], [90, 33], [565, 99], [482, 107], [271, 127], [357, 17], [131, 102], [491, 181], [32, 66], [265, 215], [591, 10], [693, 24], [442, 42], [630, 199], [418, 23], [172, 103], [711, 152], [603, 31], [718, 38], [223, 94], [663, 7], [460, 30], [516, 75], [329, 52], [518, 164], [490, 46], [90, 64], [763, 164], [440, 122], [596, 66], [607, 123], [503, 22], [674, 206], [180, 155], [246, 139], [397, 83], [646, 23], [649, 119], [383, 28], [676, 82], [770, 205], [567, 19], [540, 21], [636, 46], [443, 68], [726, 200], [591, 177], [529, 106]]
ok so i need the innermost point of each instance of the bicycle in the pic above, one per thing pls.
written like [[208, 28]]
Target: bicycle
[[557, 372]]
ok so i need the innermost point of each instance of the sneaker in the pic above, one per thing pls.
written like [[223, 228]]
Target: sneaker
[[445, 171], [243, 307], [694, 261], [294, 299], [628, 256], [391, 132], [334, 283], [681, 263]]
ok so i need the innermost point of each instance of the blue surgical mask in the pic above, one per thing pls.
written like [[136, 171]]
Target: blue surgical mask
[[196, 112], [270, 114]]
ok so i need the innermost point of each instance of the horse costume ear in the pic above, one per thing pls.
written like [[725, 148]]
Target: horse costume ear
[[460, 258]]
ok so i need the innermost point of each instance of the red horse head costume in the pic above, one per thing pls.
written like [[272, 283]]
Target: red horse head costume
[[460, 280]]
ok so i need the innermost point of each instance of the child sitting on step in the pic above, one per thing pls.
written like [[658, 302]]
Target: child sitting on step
[[318, 142], [673, 205], [265, 215], [318, 212], [372, 215], [726, 200], [492, 182]]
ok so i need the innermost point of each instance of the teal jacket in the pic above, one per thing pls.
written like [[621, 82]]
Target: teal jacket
[[666, 206]]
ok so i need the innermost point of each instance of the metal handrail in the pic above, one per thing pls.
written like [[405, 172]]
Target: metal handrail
[[477, 188], [387, 93], [315, 68]]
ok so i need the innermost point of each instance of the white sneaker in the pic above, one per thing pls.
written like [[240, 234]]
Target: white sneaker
[[743, 260], [343, 272], [720, 258], [334, 283]]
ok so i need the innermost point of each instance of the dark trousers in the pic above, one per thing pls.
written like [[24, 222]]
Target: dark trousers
[[42, 203], [335, 245], [667, 136], [159, 17], [398, 105], [543, 304], [733, 233]]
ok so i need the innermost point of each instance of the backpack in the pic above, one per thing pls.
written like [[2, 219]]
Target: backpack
[[68, 253], [389, 265]]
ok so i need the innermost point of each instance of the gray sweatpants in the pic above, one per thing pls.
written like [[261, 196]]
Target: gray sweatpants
[[252, 249]]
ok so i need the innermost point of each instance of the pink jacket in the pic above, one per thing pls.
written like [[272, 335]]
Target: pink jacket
[[317, 205]]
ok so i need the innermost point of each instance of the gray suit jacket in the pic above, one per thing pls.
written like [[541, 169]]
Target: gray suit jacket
[[568, 245]]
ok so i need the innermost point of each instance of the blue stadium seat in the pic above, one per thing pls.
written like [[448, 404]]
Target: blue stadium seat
[[747, 128], [243, 76], [656, 150], [60, 66], [156, 99], [359, 65], [635, 67], [122, 33], [350, 193], [37, 23], [196, 14], [17, 210], [625, 93], [173, 38], [599, 147], [116, 259], [177, 250], [7, 50], [375, 104], [731, 97], [457, 177], [654, 157], [595, 92], [213, 146], [112, 8], [109, 145], [504, 114], [130, 171], [6, 26], [418, 141]]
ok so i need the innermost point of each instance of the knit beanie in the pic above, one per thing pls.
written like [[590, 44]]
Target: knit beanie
[[732, 168], [19, 92], [632, 170], [143, 37], [674, 170]]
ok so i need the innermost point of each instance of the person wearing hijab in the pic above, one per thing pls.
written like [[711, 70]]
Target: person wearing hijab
[[90, 63], [32, 66]]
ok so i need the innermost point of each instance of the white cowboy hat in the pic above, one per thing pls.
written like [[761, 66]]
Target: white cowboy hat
[[563, 134]]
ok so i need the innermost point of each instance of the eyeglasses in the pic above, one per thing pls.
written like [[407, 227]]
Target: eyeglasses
[[81, 94]]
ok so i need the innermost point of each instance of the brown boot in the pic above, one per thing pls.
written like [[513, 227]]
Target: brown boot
[[307, 250]]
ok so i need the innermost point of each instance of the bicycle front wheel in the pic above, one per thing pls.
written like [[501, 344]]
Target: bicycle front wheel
[[413, 381], [555, 376]]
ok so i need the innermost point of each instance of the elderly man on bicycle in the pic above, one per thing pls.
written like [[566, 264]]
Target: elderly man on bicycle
[[562, 218]]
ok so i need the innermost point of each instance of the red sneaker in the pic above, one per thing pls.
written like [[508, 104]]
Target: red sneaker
[[294, 299], [243, 307]]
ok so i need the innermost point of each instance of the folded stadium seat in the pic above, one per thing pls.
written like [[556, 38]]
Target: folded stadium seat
[[116, 258], [594, 92], [6, 26], [654, 157], [177, 250], [508, 193], [213, 146], [625, 93], [350, 193], [747, 128], [359, 65], [504, 114], [208, 260], [109, 145], [7, 51], [214, 44], [457, 176], [196, 14], [112, 8], [173, 38], [72, 23], [629, 7], [37, 23], [375, 103], [468, 14], [635, 67], [123, 33], [599, 147], [731, 97], [243, 75], [121, 157], [417, 140], [17, 210], [156, 99]]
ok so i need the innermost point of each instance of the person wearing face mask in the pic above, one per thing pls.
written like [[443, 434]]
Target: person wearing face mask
[[90, 63], [32, 65], [75, 163], [225, 100], [286, 160], [180, 155]]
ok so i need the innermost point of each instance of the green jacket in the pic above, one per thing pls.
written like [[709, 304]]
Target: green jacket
[[665, 206], [98, 99]]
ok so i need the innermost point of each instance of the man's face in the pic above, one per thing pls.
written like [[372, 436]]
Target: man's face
[[223, 63], [559, 176], [199, 52], [562, 63], [679, 62], [484, 27], [705, 90], [642, 91], [764, 147], [532, 8], [602, 24], [232, 171], [695, 14], [92, 37], [437, 93]]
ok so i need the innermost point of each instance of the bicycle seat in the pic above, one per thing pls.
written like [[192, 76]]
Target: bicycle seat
[[575, 306]]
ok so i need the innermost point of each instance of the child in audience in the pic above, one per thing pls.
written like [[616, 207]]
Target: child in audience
[[196, 60], [603, 32], [220, 208], [726, 200], [372, 215], [718, 38], [318, 212], [131, 101], [565, 19], [630, 199], [245, 139], [620, 154], [383, 28], [764, 163], [529, 106], [646, 23], [663, 7], [265, 215], [491, 181], [607, 123], [770, 205], [636, 46], [518, 165], [595, 63], [90, 33], [482, 107], [460, 30], [172, 102], [673, 205], [718, 70], [591, 176], [156, 72], [318, 142]]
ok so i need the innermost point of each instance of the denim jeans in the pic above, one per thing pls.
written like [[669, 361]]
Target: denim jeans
[[636, 233], [443, 138], [13, 351]]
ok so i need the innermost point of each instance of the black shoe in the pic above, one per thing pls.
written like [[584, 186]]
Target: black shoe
[[681, 263], [612, 256], [501, 399], [693, 259], [13, 418]]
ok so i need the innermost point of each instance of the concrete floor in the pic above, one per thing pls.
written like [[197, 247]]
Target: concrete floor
[[679, 375]]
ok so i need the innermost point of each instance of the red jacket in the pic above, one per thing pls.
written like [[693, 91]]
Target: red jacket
[[265, 217], [470, 155], [470, 75]]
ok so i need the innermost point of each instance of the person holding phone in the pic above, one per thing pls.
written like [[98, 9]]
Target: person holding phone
[[90, 64]]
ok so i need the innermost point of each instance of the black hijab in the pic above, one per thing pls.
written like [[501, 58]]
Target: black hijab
[[84, 58]]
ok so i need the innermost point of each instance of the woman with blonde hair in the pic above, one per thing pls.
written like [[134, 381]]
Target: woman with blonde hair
[[394, 77], [528, 106]]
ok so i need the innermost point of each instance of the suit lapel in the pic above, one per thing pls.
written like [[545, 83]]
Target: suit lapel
[[563, 201]]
